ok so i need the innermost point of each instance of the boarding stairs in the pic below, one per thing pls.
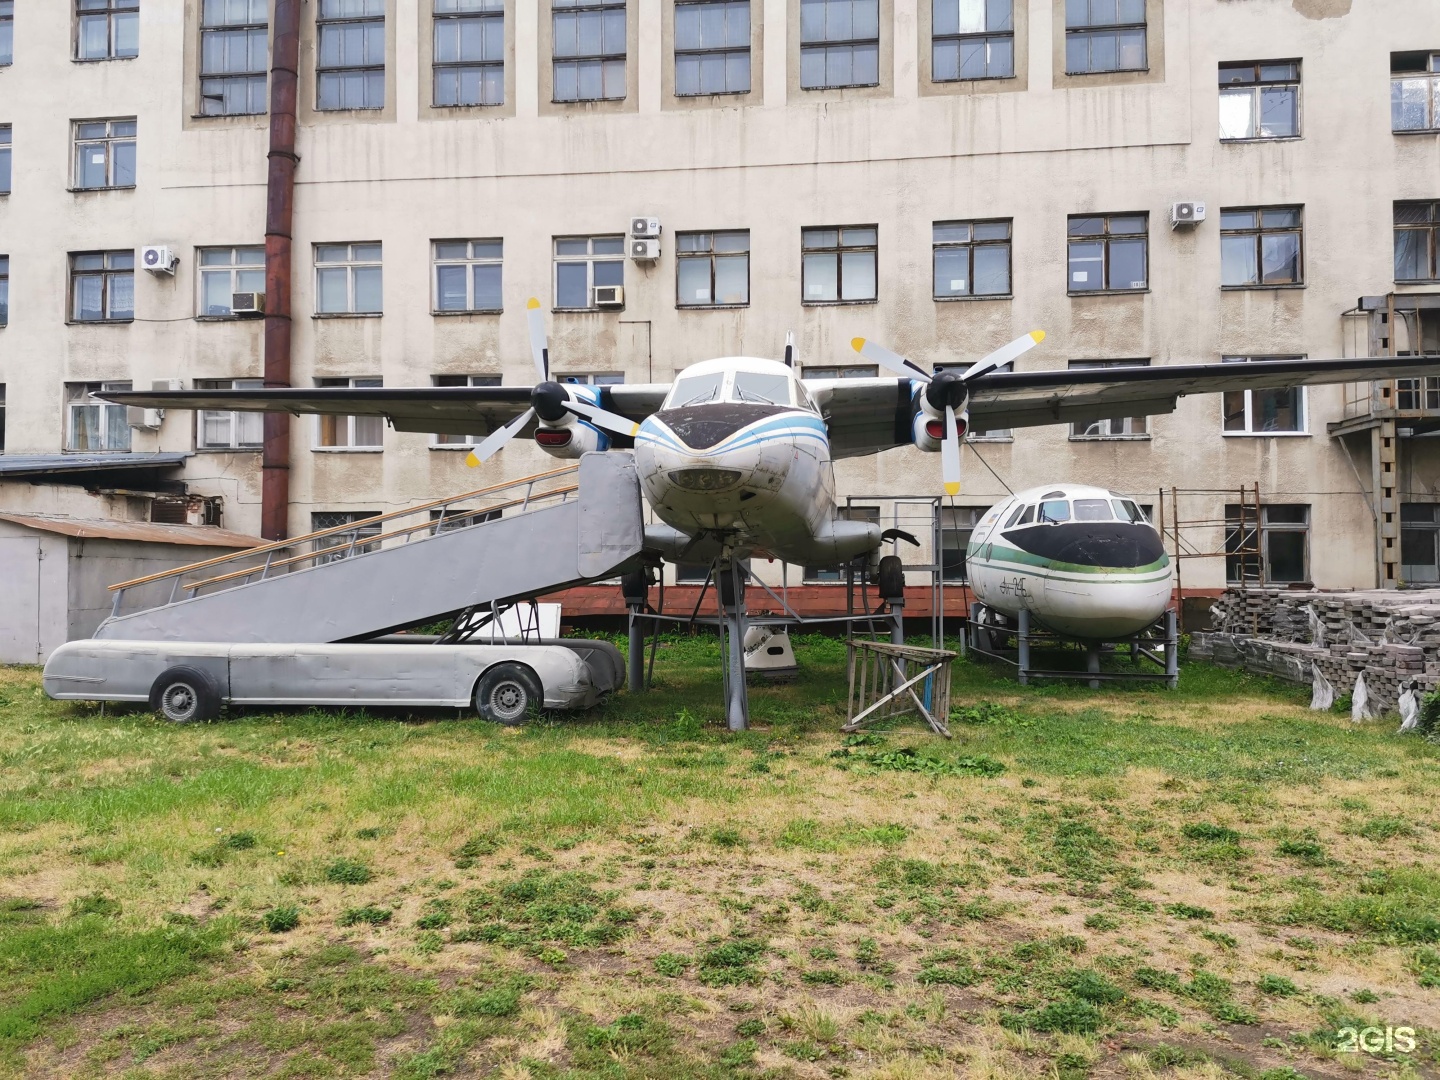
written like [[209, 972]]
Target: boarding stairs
[[494, 546]]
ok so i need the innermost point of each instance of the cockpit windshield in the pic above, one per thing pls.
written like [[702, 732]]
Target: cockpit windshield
[[1054, 510], [761, 388], [1092, 510], [696, 390], [1126, 510]]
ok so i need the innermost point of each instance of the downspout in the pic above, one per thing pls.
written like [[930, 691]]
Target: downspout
[[279, 218]]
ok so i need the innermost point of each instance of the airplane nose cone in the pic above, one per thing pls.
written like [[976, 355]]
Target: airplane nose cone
[[700, 427]]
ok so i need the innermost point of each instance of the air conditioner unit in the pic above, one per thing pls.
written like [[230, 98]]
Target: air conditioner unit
[[1186, 213], [609, 296], [644, 228], [159, 259], [145, 419], [167, 384], [644, 250], [247, 303]]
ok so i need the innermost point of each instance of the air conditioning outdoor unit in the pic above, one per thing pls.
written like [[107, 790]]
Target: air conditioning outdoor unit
[[247, 303], [644, 250], [609, 296], [644, 228], [149, 419], [1186, 213], [159, 259]]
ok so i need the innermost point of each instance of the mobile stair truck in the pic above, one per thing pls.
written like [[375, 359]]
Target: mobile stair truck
[[312, 621]]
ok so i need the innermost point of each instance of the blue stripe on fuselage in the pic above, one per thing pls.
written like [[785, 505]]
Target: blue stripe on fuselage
[[773, 429]]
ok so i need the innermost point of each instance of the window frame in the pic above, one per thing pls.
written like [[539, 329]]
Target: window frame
[[683, 257], [106, 272], [233, 269], [977, 515], [350, 543], [110, 141], [1105, 238], [1129, 422], [937, 246], [1429, 527], [1259, 231], [110, 415], [108, 10], [724, 51], [839, 250], [559, 8], [227, 77], [1256, 87], [1090, 30], [1251, 411], [960, 37], [7, 145], [825, 44], [469, 262], [494, 13], [440, 440], [7, 32], [590, 258], [1428, 73], [1238, 532], [590, 378], [350, 264], [1430, 228], [323, 22], [4, 290], [235, 418], [350, 421], [839, 371]]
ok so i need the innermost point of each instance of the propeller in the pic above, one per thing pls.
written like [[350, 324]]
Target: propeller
[[945, 389]]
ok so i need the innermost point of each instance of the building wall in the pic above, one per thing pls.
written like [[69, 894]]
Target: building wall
[[1034, 149]]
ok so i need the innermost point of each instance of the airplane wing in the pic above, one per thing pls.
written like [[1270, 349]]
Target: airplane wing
[[448, 410], [868, 415]]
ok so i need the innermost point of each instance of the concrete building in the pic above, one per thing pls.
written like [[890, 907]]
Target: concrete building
[[939, 175]]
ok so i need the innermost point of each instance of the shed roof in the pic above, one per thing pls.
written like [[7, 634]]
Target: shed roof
[[147, 531], [52, 464]]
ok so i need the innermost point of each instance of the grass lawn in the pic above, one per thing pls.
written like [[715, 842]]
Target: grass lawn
[[1206, 882]]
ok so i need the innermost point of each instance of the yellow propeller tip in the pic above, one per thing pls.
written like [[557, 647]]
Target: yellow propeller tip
[[1037, 336], [472, 460], [532, 303], [635, 431], [952, 489], [858, 344]]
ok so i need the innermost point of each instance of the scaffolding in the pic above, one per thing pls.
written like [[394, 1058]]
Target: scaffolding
[[1241, 535]]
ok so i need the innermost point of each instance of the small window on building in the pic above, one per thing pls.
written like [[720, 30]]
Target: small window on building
[[107, 29], [4, 290], [1261, 245], [225, 271], [350, 71], [1109, 252], [1417, 241], [956, 525], [469, 52], [2, 418], [585, 263], [227, 429], [468, 275], [1104, 35], [450, 518], [1415, 91], [975, 433], [972, 39], [344, 542], [349, 432], [837, 573], [589, 63], [93, 425], [971, 258], [442, 439], [1115, 427], [838, 265], [712, 47], [1419, 549], [5, 131], [234, 57], [712, 269], [1260, 101], [1282, 540], [592, 378], [348, 279], [7, 32], [1412, 395], [102, 286], [853, 371], [1264, 412], [104, 154], [839, 44], [692, 573]]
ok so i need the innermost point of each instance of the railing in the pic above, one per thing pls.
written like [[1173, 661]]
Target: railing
[[1413, 398], [350, 540]]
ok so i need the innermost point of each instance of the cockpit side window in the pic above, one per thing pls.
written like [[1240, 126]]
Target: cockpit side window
[[697, 390], [1136, 514], [761, 388], [803, 397], [1028, 516], [1054, 510], [1092, 510], [1015, 516]]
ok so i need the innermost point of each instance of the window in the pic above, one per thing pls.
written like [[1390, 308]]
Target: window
[[93, 425], [351, 69], [234, 57], [107, 29], [1109, 253], [104, 154], [837, 573], [102, 286], [978, 434], [1104, 35], [1419, 550], [1414, 90], [592, 378], [589, 50], [1264, 412], [692, 573], [839, 43], [2, 418], [224, 272], [712, 269], [1260, 246], [1417, 241], [584, 262], [712, 47], [349, 432], [341, 545], [467, 275], [971, 258], [7, 32], [4, 290], [972, 39], [1260, 101], [857, 371], [1413, 395], [1283, 542], [347, 279], [449, 518], [442, 439], [469, 52], [956, 525], [838, 265], [4, 159], [225, 429], [1121, 427]]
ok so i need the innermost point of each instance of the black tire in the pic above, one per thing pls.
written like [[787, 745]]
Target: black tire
[[185, 695], [507, 694], [890, 577]]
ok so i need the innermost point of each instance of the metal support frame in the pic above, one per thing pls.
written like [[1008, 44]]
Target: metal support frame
[[888, 680], [1159, 644], [731, 590]]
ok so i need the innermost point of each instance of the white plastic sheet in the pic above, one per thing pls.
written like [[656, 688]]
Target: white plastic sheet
[[1361, 707], [1322, 694], [1409, 710]]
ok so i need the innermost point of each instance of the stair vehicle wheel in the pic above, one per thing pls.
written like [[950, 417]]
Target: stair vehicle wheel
[[185, 695], [507, 694]]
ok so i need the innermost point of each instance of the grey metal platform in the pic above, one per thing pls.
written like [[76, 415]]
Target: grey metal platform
[[554, 531]]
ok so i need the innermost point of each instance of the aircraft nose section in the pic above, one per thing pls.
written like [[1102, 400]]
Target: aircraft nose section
[[1103, 545], [701, 427]]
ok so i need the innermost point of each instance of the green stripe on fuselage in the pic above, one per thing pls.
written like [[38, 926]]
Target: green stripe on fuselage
[[1026, 558]]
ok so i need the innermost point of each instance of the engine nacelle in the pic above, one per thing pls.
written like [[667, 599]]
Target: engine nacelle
[[928, 424], [570, 437]]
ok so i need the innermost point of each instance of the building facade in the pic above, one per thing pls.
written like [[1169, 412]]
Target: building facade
[[938, 175]]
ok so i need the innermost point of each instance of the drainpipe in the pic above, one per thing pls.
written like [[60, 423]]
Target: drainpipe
[[279, 216]]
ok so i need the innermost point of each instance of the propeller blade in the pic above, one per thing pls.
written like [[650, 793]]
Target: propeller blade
[[950, 453], [614, 422], [882, 356], [539, 347], [496, 439], [1005, 354]]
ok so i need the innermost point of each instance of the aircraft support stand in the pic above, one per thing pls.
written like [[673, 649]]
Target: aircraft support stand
[[1158, 645], [897, 617], [1023, 647], [731, 588], [636, 655]]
